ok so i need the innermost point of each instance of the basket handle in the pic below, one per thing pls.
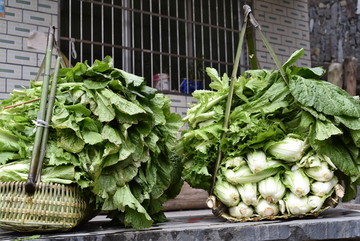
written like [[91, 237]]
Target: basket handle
[[41, 123], [267, 44], [248, 17], [49, 112], [231, 92]]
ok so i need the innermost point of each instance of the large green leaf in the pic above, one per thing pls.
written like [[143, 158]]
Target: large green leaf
[[111, 134], [101, 106], [325, 129], [69, 141], [122, 104], [324, 97], [135, 214], [339, 155], [293, 58], [91, 137]]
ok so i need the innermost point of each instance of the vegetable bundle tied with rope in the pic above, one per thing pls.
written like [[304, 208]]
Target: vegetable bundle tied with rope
[[283, 144], [110, 136], [30, 204]]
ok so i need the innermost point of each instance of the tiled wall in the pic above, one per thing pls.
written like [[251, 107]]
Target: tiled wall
[[180, 105], [18, 63], [285, 24]]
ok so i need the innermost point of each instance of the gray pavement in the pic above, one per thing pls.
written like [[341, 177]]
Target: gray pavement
[[201, 225]]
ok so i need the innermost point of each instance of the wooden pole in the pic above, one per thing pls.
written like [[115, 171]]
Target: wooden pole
[[350, 74], [335, 74]]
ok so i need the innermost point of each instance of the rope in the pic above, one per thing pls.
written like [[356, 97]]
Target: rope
[[40, 123]]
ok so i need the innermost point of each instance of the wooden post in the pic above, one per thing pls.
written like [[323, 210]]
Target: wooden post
[[350, 74], [188, 198], [335, 73]]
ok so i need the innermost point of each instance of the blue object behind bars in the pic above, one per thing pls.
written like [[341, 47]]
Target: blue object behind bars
[[2, 6], [188, 86]]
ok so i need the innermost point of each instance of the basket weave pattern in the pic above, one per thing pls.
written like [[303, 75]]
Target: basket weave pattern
[[51, 207]]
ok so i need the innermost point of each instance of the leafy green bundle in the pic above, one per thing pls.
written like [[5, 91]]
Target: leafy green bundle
[[110, 134], [266, 111]]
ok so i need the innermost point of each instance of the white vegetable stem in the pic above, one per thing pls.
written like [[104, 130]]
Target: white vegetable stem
[[323, 188], [297, 182], [257, 161], [297, 205], [248, 193], [241, 211], [289, 149], [272, 189], [266, 209], [227, 193], [320, 173]]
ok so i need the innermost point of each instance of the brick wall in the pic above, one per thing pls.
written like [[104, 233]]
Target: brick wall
[[18, 63], [285, 25], [334, 32]]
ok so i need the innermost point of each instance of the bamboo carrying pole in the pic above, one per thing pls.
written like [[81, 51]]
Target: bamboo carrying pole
[[49, 112], [40, 123], [231, 92], [350, 74]]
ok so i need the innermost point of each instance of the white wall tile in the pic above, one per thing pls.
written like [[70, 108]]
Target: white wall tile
[[10, 71], [191, 101], [178, 100], [3, 55], [3, 26], [10, 42], [2, 85], [23, 4], [37, 18], [4, 96], [47, 6], [29, 73], [13, 14], [12, 84], [20, 29], [287, 29], [21, 57]]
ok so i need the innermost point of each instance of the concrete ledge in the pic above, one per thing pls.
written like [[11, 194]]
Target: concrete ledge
[[199, 225]]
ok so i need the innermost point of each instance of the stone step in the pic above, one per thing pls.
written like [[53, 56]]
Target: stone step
[[199, 225]]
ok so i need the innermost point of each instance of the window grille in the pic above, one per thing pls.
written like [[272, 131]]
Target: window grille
[[171, 39]]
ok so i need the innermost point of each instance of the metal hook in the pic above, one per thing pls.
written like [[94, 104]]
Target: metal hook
[[250, 16]]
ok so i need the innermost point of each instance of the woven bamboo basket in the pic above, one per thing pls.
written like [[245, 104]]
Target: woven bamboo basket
[[32, 205], [218, 208], [52, 207]]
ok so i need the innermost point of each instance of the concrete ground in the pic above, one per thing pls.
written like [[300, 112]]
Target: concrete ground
[[334, 224]]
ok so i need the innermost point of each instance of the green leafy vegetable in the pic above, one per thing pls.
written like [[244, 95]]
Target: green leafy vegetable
[[267, 112], [110, 134]]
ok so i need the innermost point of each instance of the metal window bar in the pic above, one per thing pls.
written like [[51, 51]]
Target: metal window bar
[[177, 43], [182, 53], [142, 38], [169, 44], [112, 29], [81, 31]]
